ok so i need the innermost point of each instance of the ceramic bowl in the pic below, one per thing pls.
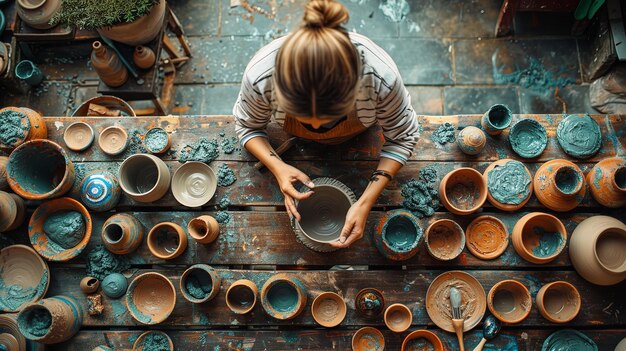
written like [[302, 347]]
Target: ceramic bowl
[[422, 340], [445, 239], [328, 309], [369, 303], [539, 237], [496, 119], [12, 211], [368, 339], [572, 339], [579, 136], [157, 336], [200, 283], [486, 237], [42, 241], [203, 229], [194, 184], [398, 235], [471, 140], [157, 141], [528, 138], [509, 184], [558, 302], [112, 105], [283, 297], [144, 177], [113, 140], [241, 296], [100, 191], [463, 191], [151, 298], [23, 268], [89, 285], [167, 240], [78, 136], [509, 301], [398, 318]]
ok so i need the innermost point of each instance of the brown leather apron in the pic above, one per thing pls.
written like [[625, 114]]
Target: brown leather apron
[[342, 132]]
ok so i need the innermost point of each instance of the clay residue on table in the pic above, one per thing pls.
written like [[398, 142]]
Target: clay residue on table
[[444, 134], [222, 217], [509, 183], [101, 262], [420, 196], [225, 175], [229, 145], [204, 150], [14, 126], [463, 195], [66, 228]]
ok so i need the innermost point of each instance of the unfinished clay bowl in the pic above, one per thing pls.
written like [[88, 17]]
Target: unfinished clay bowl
[[43, 242], [369, 303], [8, 325], [328, 309], [398, 235], [144, 177], [167, 240], [157, 141], [445, 239], [509, 184], [579, 136], [194, 184], [152, 337], [104, 106], [100, 191], [122, 233], [283, 296], [241, 296], [113, 140], [539, 237], [368, 339], [26, 125], [607, 182], [78, 136], [151, 298], [496, 119], [12, 211], [23, 273], [558, 302], [204, 229], [40, 170], [486, 237], [422, 340], [52, 320], [323, 214], [398, 317], [509, 301], [200, 283], [560, 185], [471, 140], [568, 339], [4, 184], [463, 191], [89, 285], [528, 138]]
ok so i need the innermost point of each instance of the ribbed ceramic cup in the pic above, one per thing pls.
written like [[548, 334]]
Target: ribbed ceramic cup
[[167, 240], [200, 283], [144, 177]]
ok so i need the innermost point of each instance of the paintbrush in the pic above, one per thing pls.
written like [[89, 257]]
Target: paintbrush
[[457, 319]]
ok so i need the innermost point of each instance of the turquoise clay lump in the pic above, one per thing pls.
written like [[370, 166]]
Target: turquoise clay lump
[[509, 184], [444, 134], [114, 285], [66, 228], [200, 283], [156, 342], [579, 136], [199, 286], [528, 138], [14, 126], [156, 140]]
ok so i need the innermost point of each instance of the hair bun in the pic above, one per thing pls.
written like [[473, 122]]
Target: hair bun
[[325, 13]]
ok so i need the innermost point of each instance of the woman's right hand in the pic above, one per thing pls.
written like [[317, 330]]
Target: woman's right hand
[[286, 176]]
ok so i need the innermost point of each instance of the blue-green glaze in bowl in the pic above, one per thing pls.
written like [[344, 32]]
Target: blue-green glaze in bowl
[[528, 138], [579, 136], [568, 340]]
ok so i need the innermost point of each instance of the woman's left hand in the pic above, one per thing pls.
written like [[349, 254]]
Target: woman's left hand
[[355, 225]]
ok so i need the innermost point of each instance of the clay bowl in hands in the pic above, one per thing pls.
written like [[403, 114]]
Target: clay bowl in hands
[[151, 298], [24, 269], [167, 240], [78, 136], [203, 229], [398, 235], [463, 191], [558, 302], [496, 119], [398, 317], [486, 237], [283, 297], [509, 184], [368, 339], [150, 337], [369, 303], [113, 140], [144, 177], [157, 141], [539, 237], [194, 184], [241, 296], [509, 301], [445, 239], [329, 309], [422, 340], [200, 283]]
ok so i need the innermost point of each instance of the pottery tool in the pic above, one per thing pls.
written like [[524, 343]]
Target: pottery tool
[[130, 68], [491, 328], [457, 319], [288, 144]]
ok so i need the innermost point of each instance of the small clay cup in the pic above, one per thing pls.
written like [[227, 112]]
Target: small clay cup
[[23, 267], [241, 296], [144, 177], [157, 141], [558, 302], [329, 309], [40, 170], [445, 239], [398, 235], [560, 185], [496, 119], [463, 191], [122, 233], [411, 342], [4, 184], [529, 232], [89, 285], [471, 140], [113, 140], [368, 339], [139, 343], [486, 237], [509, 301], [8, 325], [34, 127], [204, 229], [12, 211], [509, 184], [398, 318], [100, 191], [167, 240], [607, 182], [194, 184], [369, 303], [64, 313], [200, 283], [283, 297], [151, 298], [78, 136]]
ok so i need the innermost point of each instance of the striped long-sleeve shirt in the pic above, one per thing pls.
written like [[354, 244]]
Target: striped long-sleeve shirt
[[381, 98]]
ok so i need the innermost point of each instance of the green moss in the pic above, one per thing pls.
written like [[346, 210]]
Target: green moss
[[94, 14]]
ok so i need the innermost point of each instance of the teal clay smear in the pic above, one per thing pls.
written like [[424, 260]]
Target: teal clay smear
[[156, 342], [535, 77], [204, 150], [420, 197], [528, 138], [156, 139], [400, 234], [66, 228], [568, 340], [229, 145], [36, 321], [579, 137], [420, 344], [283, 297], [372, 342], [225, 175], [222, 217], [199, 287], [13, 127], [12, 297], [101, 262], [444, 134], [509, 183], [549, 242]]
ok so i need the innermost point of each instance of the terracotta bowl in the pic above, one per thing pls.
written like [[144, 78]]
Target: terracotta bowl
[[22, 267], [89, 285], [560, 185], [463, 191], [157, 141], [167, 240], [496, 119], [78, 136], [110, 102], [113, 140], [398, 317], [100, 191], [509, 301], [398, 235], [539, 237], [241, 296], [203, 229], [368, 339], [144, 177], [486, 237], [369, 303], [194, 184], [422, 340], [558, 302], [329, 309], [200, 283], [41, 241], [471, 140], [445, 239], [528, 138], [283, 297], [607, 182], [141, 340], [12, 211], [509, 184], [151, 298]]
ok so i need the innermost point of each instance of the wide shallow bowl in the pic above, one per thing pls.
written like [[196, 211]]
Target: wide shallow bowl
[[25, 277], [509, 301], [111, 103], [329, 309], [151, 298], [486, 237], [78, 136], [579, 136], [558, 302], [528, 138], [194, 184], [368, 339], [113, 140], [568, 339], [422, 340], [153, 339], [445, 239]]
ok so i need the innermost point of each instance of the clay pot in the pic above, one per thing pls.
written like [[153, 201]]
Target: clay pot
[[43, 243], [144, 57], [486, 237], [24, 268], [241, 296], [65, 316], [89, 285], [368, 339], [509, 184], [369, 303], [8, 342], [539, 237], [4, 184], [40, 170], [38, 13], [398, 235], [200, 283], [471, 140], [463, 191], [194, 184], [398, 317], [323, 214], [420, 340], [78, 136], [32, 127], [151, 298], [139, 343], [283, 297], [122, 233], [558, 302], [607, 182], [204, 229], [12, 211], [157, 141], [105, 105], [28, 72], [560, 185], [579, 136], [445, 239], [108, 65], [598, 250], [141, 31], [4, 48], [509, 301], [8, 325], [113, 140], [496, 119], [328, 309], [100, 191], [114, 285], [144, 177], [167, 240], [528, 138]]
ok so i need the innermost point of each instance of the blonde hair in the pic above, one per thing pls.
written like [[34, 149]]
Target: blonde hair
[[317, 67]]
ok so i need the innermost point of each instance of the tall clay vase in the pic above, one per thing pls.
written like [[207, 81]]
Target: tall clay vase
[[108, 65], [539, 237], [122, 233], [38, 13], [283, 297], [144, 177], [32, 127], [167, 240], [141, 31], [607, 182], [463, 191], [598, 250], [12, 211], [144, 57], [560, 185], [52, 320], [204, 229]]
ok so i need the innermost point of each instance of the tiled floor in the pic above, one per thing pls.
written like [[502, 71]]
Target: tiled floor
[[445, 50]]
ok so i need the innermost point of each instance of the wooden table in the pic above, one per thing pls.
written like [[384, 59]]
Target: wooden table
[[258, 239]]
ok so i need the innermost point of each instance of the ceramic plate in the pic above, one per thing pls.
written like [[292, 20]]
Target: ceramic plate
[[579, 136], [528, 138], [194, 184]]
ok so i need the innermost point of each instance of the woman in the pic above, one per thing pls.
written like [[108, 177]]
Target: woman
[[324, 84]]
